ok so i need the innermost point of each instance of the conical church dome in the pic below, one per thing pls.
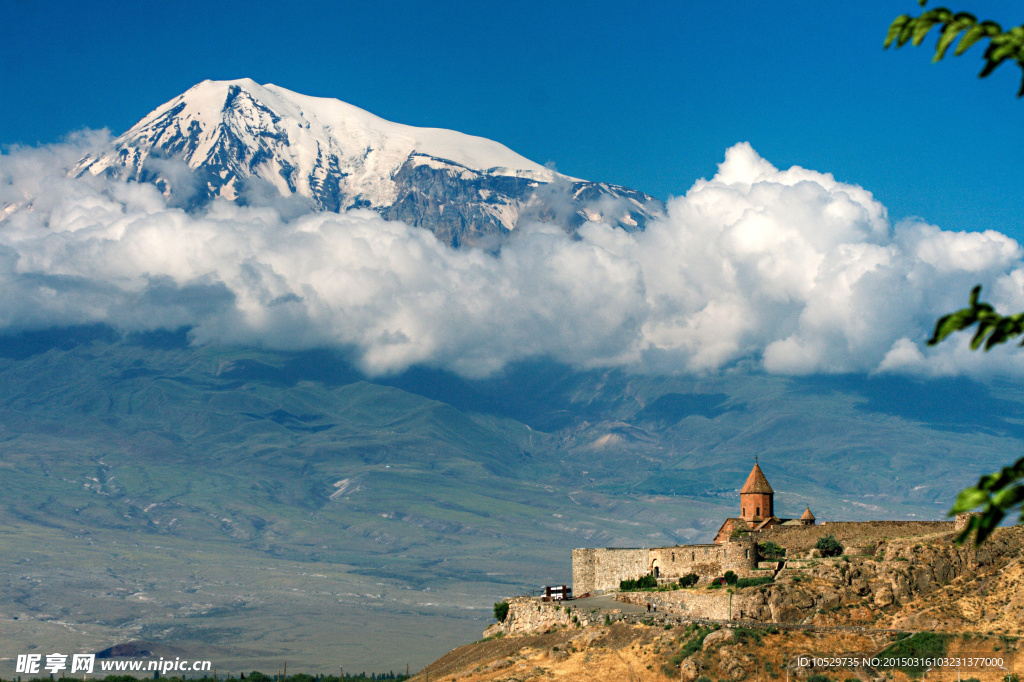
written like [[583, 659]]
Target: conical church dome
[[756, 482]]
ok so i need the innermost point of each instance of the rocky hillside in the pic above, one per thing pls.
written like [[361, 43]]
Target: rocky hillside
[[964, 600], [653, 653]]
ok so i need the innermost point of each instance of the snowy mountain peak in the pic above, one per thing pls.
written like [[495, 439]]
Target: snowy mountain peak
[[233, 133]]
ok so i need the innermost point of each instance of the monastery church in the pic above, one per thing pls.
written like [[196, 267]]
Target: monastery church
[[757, 509], [735, 547]]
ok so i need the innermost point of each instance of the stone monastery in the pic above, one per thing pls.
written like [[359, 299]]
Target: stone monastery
[[735, 547]]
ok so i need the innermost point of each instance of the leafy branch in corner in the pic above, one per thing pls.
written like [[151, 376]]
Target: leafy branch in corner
[[995, 492], [1002, 45], [997, 328], [1000, 492]]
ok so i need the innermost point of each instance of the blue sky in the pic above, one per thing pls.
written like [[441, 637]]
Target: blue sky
[[648, 98]]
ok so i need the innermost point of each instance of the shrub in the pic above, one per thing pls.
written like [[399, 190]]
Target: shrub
[[743, 634], [646, 582], [689, 580], [770, 550], [692, 645], [730, 578], [751, 582], [501, 611], [820, 678], [1012, 677], [921, 646], [828, 546]]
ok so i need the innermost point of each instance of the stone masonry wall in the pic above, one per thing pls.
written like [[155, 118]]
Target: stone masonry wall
[[707, 561], [689, 603], [527, 614], [850, 533], [675, 562], [596, 570]]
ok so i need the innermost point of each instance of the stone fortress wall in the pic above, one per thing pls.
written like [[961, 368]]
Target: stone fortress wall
[[600, 570], [853, 535], [603, 569]]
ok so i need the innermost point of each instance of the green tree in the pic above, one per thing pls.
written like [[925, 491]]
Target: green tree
[[1000, 492], [828, 546], [501, 611], [689, 580], [770, 550]]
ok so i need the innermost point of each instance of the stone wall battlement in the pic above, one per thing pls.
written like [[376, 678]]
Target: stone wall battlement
[[850, 533]]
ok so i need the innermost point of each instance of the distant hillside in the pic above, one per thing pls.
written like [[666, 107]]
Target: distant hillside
[[419, 496]]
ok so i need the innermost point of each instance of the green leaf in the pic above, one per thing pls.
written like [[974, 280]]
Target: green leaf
[[905, 33], [990, 66], [894, 29], [973, 35], [968, 499], [921, 28], [949, 34], [1008, 497], [972, 298], [953, 322], [1003, 51]]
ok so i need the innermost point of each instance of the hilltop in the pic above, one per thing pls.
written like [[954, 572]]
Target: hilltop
[[964, 601]]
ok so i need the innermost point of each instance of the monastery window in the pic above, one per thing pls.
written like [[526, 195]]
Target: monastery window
[[748, 553], [693, 556], [758, 511], [673, 557]]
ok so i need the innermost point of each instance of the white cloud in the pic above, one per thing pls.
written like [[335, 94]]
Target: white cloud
[[799, 272]]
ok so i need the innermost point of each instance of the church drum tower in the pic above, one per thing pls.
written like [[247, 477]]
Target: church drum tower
[[756, 497]]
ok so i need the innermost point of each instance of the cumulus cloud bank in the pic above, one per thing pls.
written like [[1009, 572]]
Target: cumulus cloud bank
[[789, 269]]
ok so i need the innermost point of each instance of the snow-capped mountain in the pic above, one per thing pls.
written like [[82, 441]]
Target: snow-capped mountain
[[239, 136]]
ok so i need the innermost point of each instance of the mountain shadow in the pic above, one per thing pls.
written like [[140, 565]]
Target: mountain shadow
[[955, 404]]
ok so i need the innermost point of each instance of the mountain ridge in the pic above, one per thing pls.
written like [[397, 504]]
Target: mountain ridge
[[220, 138]]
